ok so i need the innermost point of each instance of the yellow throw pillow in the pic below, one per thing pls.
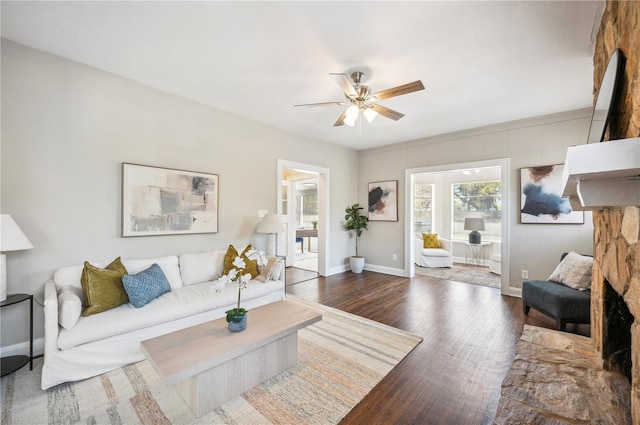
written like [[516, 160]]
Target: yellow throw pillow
[[431, 240], [251, 265], [102, 288]]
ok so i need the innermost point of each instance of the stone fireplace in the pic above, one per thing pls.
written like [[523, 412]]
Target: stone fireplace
[[552, 367], [615, 295], [615, 292]]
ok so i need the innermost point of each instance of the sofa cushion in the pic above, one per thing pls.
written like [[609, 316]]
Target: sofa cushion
[[430, 240], [102, 288], [201, 267], [435, 252], [168, 264], [178, 303], [251, 266], [574, 271], [70, 275], [146, 286]]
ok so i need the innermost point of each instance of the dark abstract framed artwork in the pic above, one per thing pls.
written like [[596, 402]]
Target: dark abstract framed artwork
[[383, 201], [541, 197], [164, 201]]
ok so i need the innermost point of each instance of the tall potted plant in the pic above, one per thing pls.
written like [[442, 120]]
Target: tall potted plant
[[356, 222]]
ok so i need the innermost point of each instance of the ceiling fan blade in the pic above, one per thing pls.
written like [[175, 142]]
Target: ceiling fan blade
[[323, 104], [386, 112], [341, 119], [344, 83], [398, 91]]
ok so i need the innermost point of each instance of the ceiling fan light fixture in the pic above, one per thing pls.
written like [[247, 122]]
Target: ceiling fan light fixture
[[351, 115], [370, 114]]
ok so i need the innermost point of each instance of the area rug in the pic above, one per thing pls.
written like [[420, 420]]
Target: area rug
[[341, 358], [466, 274]]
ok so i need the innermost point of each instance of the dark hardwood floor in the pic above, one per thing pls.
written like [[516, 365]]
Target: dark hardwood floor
[[454, 375]]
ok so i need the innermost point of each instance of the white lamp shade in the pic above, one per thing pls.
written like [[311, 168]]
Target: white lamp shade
[[271, 224], [474, 224], [11, 236]]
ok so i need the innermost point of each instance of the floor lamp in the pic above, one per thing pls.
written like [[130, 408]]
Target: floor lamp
[[271, 225], [11, 239]]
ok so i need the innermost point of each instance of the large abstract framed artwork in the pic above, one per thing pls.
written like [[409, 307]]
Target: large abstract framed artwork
[[164, 201], [540, 197], [383, 201]]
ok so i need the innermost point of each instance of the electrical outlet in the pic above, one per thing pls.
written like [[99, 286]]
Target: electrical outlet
[[525, 274], [395, 257]]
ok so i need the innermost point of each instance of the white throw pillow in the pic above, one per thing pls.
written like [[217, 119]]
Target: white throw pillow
[[69, 308], [574, 271], [168, 264], [271, 270], [201, 267]]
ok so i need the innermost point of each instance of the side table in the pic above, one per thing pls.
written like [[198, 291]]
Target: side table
[[12, 363], [474, 253]]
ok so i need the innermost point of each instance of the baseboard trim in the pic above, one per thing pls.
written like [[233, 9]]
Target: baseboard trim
[[386, 270], [22, 348]]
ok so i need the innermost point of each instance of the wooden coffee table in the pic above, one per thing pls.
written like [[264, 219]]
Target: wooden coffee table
[[211, 365]]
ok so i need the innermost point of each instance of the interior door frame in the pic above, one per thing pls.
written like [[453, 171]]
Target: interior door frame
[[503, 163], [323, 207]]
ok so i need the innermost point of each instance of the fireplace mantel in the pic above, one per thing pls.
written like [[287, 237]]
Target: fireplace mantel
[[603, 174]]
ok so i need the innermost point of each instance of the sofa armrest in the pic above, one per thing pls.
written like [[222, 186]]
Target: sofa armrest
[[51, 328], [418, 244], [446, 245]]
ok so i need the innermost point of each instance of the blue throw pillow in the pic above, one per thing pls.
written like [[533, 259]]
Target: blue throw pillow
[[144, 287]]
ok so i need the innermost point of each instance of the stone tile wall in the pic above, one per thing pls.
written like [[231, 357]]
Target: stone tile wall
[[617, 230]]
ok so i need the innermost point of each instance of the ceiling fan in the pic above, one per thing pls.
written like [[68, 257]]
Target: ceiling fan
[[359, 99]]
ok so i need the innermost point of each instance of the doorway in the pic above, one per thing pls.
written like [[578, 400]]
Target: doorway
[[430, 208], [303, 191]]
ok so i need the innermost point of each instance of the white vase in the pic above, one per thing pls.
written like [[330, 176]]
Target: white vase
[[357, 264]]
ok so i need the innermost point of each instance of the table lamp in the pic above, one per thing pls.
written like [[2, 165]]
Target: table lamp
[[11, 239], [474, 224], [271, 225]]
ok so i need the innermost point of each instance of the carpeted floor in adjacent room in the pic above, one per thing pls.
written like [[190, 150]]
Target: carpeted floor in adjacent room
[[465, 273]]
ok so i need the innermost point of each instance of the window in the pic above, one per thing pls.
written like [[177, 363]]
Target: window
[[478, 199], [422, 203]]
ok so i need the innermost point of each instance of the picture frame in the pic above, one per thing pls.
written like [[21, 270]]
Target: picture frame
[[541, 199], [383, 201], [165, 201]]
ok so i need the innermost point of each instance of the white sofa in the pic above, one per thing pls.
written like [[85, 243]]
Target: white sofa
[[432, 257], [88, 346]]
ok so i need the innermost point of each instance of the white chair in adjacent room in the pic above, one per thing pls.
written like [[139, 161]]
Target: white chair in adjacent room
[[432, 257], [495, 258]]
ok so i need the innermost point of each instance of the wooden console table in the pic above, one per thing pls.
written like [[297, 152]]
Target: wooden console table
[[307, 233]]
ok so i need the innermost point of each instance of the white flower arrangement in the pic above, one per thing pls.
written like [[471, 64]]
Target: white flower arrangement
[[237, 274]]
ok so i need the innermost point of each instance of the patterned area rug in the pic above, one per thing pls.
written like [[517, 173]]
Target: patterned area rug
[[341, 358], [462, 273]]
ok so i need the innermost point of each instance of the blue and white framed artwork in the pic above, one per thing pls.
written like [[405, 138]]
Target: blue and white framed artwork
[[541, 197], [165, 201]]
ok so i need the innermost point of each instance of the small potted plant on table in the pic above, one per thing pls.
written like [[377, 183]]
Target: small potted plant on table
[[237, 317]]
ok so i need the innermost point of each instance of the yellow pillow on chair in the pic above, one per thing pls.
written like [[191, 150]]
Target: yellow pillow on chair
[[431, 240]]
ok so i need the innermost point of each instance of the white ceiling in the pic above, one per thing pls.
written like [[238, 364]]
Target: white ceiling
[[482, 62]]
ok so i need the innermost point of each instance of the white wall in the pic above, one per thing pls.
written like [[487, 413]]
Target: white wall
[[67, 128], [532, 142]]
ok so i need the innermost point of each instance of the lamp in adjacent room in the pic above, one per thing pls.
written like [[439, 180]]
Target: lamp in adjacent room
[[11, 239], [474, 224], [271, 225]]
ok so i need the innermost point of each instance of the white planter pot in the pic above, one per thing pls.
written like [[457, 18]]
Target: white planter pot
[[357, 264]]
